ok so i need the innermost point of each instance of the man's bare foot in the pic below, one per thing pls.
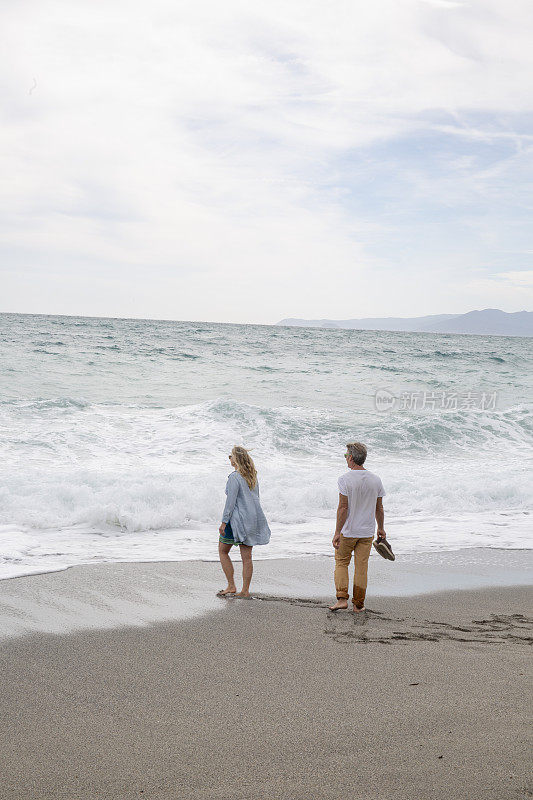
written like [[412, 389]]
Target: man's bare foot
[[243, 594], [358, 610], [339, 605], [228, 590]]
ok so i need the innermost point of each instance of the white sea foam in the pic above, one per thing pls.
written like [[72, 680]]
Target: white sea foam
[[29, 551]]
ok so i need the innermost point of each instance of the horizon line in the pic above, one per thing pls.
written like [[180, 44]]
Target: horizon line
[[264, 324]]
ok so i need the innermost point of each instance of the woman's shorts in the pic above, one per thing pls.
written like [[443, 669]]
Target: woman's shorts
[[228, 535]]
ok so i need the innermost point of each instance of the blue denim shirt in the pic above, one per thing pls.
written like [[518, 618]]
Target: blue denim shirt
[[243, 510]]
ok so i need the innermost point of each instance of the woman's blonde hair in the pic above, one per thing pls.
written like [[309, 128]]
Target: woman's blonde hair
[[245, 465]]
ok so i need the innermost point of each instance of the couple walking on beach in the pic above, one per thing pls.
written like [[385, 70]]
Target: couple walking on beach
[[360, 507]]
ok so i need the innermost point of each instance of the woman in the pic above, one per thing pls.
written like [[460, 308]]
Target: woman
[[243, 521]]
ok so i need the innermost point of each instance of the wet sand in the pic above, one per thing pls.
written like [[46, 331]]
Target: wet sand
[[275, 698]]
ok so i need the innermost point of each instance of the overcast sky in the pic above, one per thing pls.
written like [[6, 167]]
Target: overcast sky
[[246, 161]]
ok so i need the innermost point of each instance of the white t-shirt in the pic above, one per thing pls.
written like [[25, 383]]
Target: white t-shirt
[[362, 488]]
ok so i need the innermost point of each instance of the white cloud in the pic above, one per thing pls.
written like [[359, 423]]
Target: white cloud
[[510, 291], [522, 278], [188, 157]]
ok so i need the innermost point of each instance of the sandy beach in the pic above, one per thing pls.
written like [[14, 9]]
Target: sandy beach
[[133, 680]]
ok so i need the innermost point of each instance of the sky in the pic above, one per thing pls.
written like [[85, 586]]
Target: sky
[[246, 161]]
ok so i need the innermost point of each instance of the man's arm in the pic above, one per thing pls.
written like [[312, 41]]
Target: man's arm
[[342, 514], [380, 518]]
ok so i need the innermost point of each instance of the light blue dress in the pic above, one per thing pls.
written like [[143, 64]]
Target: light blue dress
[[243, 511]]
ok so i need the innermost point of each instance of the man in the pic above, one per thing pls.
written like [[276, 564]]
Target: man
[[360, 507]]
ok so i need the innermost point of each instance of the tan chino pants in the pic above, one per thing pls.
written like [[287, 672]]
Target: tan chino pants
[[343, 554]]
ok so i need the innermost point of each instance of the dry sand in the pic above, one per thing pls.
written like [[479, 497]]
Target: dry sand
[[275, 698]]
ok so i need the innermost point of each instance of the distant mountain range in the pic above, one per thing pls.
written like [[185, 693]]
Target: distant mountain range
[[489, 322]]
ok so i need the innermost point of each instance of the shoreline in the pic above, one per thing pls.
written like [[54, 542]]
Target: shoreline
[[124, 594], [406, 556]]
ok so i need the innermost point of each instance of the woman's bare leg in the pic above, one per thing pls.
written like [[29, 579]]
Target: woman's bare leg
[[227, 566], [247, 569]]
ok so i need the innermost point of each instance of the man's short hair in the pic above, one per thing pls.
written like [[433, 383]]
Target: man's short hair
[[357, 451]]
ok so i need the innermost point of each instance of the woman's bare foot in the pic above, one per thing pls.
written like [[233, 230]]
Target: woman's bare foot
[[339, 605], [226, 591], [358, 610], [243, 594]]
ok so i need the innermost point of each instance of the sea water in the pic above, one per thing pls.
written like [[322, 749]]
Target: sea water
[[115, 435]]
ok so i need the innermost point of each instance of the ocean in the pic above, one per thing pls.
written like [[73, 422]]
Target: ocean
[[115, 435]]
